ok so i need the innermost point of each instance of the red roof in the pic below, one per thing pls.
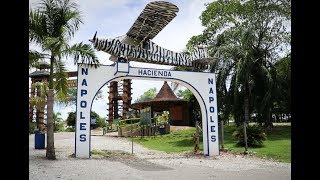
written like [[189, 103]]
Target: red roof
[[163, 101]]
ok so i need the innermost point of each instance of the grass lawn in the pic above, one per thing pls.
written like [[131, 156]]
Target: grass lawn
[[178, 141], [277, 146]]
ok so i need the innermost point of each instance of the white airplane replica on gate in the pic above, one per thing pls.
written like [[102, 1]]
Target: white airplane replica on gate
[[136, 44]]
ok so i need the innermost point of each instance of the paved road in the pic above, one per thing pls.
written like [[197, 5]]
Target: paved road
[[146, 164]]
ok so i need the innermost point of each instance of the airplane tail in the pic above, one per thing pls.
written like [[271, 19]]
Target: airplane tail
[[94, 37]]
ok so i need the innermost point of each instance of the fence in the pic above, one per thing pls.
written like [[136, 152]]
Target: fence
[[133, 127]]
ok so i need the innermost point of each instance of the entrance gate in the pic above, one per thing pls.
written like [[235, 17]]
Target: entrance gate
[[91, 80]]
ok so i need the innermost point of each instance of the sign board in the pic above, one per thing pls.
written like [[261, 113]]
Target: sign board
[[72, 83], [91, 80]]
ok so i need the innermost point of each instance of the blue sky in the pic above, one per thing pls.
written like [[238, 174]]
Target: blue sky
[[112, 18]]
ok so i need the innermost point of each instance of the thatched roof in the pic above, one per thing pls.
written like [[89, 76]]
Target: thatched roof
[[162, 102], [39, 73]]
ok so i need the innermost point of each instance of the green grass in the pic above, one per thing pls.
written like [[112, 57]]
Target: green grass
[[276, 147], [178, 141]]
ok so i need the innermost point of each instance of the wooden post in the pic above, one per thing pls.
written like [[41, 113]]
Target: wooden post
[[131, 137]]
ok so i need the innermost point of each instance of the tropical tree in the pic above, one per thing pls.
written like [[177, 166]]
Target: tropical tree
[[282, 103], [247, 37], [100, 121], [51, 26], [39, 101], [185, 94], [148, 95], [71, 119], [57, 121]]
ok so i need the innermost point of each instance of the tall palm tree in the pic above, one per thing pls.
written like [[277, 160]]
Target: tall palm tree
[[51, 26]]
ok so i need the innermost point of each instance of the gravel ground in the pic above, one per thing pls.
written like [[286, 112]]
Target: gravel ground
[[145, 163]]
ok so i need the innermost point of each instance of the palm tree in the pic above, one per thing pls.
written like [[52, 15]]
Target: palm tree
[[51, 26]]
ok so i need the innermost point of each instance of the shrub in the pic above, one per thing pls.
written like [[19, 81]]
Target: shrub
[[255, 135], [70, 129], [32, 126], [59, 127], [100, 122]]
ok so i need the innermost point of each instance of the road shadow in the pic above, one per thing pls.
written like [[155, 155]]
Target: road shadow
[[131, 160]]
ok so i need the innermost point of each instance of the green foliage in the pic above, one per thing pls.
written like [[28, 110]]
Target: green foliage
[[185, 94], [179, 141], [100, 122], [58, 122], [70, 129], [163, 118], [98, 152], [41, 98], [148, 95], [71, 119], [59, 127], [255, 135], [32, 127], [51, 26], [277, 146], [246, 38], [282, 102], [60, 83]]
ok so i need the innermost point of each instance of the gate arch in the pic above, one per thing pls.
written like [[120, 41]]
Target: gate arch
[[90, 80]]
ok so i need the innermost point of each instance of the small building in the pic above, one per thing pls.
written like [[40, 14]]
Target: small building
[[166, 100]]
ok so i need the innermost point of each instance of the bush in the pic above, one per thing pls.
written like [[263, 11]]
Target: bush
[[59, 126], [32, 126], [70, 129], [100, 122], [255, 135]]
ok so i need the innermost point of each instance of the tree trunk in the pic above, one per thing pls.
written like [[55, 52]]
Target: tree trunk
[[50, 153], [268, 123], [222, 134], [246, 117]]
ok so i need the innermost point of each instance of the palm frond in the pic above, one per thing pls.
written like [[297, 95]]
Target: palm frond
[[41, 89], [35, 57], [60, 83], [37, 27], [83, 53]]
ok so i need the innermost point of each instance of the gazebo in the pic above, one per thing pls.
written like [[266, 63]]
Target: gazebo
[[166, 100]]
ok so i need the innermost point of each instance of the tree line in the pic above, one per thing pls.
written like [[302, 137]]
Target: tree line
[[250, 45]]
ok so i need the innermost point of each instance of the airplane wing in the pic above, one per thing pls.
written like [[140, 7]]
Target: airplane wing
[[154, 17]]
